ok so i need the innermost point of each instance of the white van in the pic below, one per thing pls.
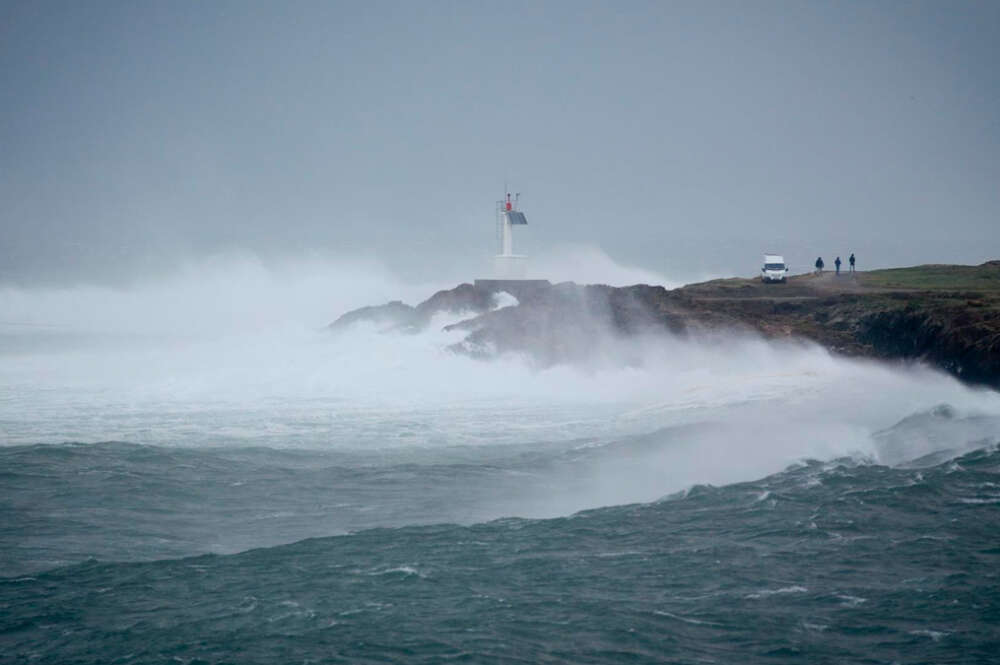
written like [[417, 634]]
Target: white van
[[774, 269]]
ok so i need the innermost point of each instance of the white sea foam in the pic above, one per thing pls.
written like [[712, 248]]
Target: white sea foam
[[851, 601], [235, 354], [405, 570], [504, 299], [764, 593], [678, 617]]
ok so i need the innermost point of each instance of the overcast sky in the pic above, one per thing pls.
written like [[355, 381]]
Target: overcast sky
[[683, 138]]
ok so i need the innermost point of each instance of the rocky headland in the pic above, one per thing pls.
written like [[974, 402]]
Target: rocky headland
[[947, 316]]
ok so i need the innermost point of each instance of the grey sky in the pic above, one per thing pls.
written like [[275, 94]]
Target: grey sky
[[685, 138]]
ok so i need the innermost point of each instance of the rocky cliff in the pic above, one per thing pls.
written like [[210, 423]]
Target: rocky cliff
[[946, 316]]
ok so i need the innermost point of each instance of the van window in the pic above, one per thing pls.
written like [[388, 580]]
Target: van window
[[774, 266]]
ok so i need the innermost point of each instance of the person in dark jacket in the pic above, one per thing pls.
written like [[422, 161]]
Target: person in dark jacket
[[819, 264], [850, 260], [837, 263]]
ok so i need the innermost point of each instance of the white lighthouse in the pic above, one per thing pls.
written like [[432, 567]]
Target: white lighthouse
[[507, 264]]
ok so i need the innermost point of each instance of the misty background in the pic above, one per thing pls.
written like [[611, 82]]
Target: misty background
[[681, 139]]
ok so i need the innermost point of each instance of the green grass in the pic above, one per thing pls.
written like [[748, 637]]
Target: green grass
[[937, 278]]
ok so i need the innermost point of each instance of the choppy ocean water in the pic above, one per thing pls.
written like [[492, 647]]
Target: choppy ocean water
[[296, 498], [836, 561]]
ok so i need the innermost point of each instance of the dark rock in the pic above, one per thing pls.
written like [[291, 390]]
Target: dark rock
[[397, 315], [955, 330], [463, 298], [392, 315]]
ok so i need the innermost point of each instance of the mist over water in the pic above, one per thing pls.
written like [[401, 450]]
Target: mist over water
[[234, 352]]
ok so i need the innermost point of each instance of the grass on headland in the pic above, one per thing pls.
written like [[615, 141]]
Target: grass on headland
[[985, 277]]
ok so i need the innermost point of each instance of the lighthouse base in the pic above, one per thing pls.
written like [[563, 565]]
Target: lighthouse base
[[510, 266]]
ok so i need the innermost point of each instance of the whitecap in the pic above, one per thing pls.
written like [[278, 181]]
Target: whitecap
[[613, 555], [406, 570], [678, 617], [772, 592], [851, 601]]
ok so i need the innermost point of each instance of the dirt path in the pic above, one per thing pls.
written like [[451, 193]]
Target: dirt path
[[798, 287], [830, 282]]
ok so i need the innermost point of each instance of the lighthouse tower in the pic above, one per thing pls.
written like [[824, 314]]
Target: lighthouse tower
[[507, 264]]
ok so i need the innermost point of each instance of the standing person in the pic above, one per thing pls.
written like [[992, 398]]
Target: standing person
[[837, 263], [819, 264], [851, 261]]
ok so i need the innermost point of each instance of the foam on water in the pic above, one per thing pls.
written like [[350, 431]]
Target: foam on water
[[234, 354]]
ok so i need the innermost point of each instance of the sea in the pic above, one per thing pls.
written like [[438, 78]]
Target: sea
[[275, 493]]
